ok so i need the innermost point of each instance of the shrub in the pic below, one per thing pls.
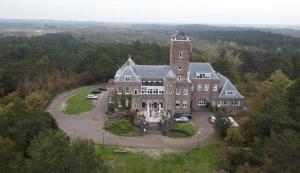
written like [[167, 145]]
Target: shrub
[[120, 127], [181, 130]]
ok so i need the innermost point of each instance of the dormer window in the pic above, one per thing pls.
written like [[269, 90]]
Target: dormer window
[[229, 92], [180, 54], [203, 75], [127, 78]]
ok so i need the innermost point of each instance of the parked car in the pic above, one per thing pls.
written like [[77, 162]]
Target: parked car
[[189, 116], [92, 96], [102, 89], [212, 119], [232, 122], [96, 91], [182, 120]]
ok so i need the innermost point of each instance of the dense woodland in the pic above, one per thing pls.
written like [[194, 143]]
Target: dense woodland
[[264, 66]]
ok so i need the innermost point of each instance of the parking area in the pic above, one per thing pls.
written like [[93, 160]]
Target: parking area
[[90, 126]]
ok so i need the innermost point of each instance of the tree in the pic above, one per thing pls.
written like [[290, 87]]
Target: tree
[[10, 159], [52, 152]]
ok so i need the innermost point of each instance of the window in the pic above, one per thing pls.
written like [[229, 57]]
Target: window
[[184, 103], [199, 88], [185, 91], [126, 90], [135, 91], [179, 77], [201, 102], [224, 102], [179, 68], [206, 87], [178, 91], [192, 88], [161, 104], [119, 103], [215, 87], [228, 92], [144, 89], [203, 75], [235, 103], [127, 78], [177, 104], [127, 102], [119, 90], [180, 54], [143, 105]]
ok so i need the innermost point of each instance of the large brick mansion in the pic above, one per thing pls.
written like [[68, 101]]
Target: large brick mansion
[[179, 87]]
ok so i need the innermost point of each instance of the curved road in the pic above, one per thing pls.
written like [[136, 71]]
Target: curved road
[[90, 126]]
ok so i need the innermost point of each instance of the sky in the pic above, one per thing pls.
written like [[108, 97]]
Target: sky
[[269, 12]]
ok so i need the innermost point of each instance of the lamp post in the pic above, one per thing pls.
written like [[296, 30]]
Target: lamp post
[[198, 134], [103, 137]]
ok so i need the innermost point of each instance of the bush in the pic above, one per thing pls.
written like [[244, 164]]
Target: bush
[[181, 130], [120, 127]]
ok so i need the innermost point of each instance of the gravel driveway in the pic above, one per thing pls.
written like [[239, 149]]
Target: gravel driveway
[[90, 126]]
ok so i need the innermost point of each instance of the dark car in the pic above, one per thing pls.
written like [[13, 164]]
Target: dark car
[[96, 91], [102, 89]]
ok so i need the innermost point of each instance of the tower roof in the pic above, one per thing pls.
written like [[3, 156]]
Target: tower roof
[[180, 36]]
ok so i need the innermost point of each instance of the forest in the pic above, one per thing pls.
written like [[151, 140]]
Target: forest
[[33, 70]]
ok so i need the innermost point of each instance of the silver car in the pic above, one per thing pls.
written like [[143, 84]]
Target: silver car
[[182, 120]]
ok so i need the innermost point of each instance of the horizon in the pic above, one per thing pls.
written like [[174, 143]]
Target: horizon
[[214, 12]]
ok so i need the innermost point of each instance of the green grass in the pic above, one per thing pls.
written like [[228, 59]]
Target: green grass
[[181, 130], [123, 127], [204, 160], [78, 103]]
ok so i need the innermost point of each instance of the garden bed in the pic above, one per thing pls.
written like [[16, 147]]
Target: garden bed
[[181, 130], [123, 127]]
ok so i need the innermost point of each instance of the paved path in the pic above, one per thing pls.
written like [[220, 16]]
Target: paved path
[[90, 126]]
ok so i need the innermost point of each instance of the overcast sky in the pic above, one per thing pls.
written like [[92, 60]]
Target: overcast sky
[[285, 12]]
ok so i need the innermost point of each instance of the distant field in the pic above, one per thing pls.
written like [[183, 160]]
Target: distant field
[[204, 160], [78, 103]]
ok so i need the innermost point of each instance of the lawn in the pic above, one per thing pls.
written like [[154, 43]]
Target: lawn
[[181, 130], [204, 160], [123, 128], [78, 103]]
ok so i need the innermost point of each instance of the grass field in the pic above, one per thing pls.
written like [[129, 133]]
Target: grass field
[[78, 103], [204, 160]]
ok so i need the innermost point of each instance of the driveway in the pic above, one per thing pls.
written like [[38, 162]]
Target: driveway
[[90, 126]]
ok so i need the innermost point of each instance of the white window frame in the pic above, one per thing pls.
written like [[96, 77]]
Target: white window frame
[[201, 102], [178, 91], [192, 88], [200, 75], [135, 91], [206, 87], [127, 78], [230, 92], [185, 91], [184, 104], [127, 90], [215, 87], [119, 90], [180, 68], [177, 104], [199, 87], [179, 77], [180, 55]]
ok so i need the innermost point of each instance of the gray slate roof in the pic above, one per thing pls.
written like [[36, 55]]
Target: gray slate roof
[[201, 67], [226, 85], [151, 71], [127, 71]]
